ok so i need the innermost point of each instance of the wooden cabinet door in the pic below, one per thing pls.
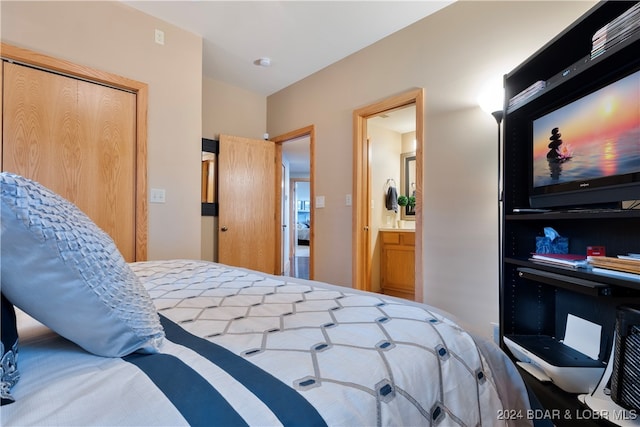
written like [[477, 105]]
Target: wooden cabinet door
[[247, 203], [78, 139], [397, 264]]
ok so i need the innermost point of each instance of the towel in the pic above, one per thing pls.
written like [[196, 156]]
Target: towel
[[391, 200]]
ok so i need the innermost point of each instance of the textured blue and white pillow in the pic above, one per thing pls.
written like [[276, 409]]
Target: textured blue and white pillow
[[63, 270], [9, 374]]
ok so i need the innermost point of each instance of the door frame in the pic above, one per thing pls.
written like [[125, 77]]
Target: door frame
[[61, 66], [361, 252], [308, 131]]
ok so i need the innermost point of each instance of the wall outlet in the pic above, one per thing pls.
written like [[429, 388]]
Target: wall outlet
[[347, 200], [159, 36]]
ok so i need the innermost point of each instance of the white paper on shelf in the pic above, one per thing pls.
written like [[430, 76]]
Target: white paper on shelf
[[583, 336]]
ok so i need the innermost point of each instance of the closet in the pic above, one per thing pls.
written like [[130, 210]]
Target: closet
[[82, 138]]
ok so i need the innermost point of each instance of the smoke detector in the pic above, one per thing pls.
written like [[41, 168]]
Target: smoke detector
[[263, 62]]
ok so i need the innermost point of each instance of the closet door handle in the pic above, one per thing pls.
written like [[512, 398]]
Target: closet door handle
[[224, 228]]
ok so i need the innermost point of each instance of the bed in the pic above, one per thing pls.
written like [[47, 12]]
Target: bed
[[303, 233], [185, 342]]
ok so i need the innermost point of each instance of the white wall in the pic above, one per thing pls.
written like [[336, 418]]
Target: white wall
[[461, 217], [460, 231], [303, 190], [113, 37]]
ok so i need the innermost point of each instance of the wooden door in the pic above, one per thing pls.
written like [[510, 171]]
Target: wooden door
[[78, 139], [247, 178], [397, 264]]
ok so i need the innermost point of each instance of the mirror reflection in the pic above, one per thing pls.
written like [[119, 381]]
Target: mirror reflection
[[208, 177], [209, 172], [408, 184]]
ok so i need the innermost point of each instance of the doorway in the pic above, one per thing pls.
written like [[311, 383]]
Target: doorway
[[300, 231], [362, 187], [295, 153]]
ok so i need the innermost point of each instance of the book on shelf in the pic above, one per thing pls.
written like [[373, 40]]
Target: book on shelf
[[527, 93], [566, 260], [616, 31], [630, 256], [628, 265], [616, 273]]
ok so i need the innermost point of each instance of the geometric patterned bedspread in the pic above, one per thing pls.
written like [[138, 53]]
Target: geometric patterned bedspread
[[359, 359], [246, 348]]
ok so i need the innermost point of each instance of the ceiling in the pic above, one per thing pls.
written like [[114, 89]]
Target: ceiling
[[299, 37], [302, 37], [298, 155], [401, 120]]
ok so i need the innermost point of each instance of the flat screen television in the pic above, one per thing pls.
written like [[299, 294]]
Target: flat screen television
[[587, 151]]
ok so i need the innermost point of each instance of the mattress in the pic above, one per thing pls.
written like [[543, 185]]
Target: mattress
[[304, 232]]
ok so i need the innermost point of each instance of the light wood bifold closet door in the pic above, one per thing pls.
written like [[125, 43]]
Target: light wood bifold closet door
[[77, 138]]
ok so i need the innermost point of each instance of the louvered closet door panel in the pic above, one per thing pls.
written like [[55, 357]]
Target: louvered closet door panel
[[78, 139]]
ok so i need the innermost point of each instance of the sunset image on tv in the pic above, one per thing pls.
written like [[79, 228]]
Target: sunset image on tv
[[593, 137]]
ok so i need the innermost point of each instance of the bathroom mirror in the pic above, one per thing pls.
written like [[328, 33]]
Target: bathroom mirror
[[408, 184], [209, 167]]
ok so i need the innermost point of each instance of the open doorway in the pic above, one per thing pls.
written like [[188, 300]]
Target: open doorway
[[368, 196], [300, 232], [296, 219]]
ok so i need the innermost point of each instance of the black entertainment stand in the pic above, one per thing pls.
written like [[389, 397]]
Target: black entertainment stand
[[536, 298]]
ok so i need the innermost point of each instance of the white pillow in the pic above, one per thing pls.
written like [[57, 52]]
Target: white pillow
[[64, 271]]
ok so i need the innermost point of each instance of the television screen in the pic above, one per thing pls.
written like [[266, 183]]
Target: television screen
[[580, 145]]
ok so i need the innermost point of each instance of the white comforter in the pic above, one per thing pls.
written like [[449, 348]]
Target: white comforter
[[354, 358]]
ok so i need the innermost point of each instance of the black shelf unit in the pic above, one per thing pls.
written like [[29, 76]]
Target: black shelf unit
[[535, 298]]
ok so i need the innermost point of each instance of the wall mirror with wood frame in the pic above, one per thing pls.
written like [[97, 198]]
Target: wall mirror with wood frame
[[408, 184], [209, 167]]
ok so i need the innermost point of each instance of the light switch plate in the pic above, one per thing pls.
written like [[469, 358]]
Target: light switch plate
[[157, 195]]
